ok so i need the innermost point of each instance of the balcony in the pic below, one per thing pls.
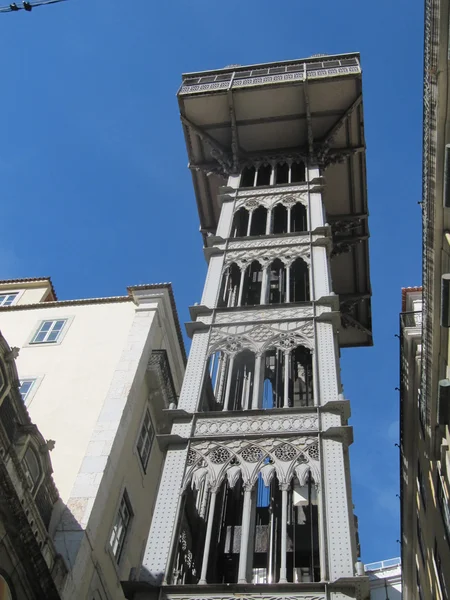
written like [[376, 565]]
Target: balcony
[[162, 380], [411, 319]]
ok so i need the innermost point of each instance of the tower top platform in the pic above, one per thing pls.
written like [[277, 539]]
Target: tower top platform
[[306, 110], [237, 115]]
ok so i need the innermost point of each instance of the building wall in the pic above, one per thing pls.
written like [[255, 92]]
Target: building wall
[[92, 390], [74, 375]]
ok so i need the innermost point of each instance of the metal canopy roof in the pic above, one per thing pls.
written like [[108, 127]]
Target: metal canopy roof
[[309, 109]]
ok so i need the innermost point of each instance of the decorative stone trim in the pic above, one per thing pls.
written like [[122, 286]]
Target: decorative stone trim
[[211, 462], [259, 338], [246, 425], [268, 314], [271, 200]]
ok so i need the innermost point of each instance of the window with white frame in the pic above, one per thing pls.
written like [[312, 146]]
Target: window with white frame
[[25, 387], [48, 332], [145, 440], [121, 527], [7, 299]]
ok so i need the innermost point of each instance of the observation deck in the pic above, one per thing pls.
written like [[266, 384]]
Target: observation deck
[[307, 109]]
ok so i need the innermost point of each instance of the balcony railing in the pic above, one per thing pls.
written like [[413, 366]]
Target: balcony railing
[[383, 564], [274, 74], [411, 319], [159, 364]]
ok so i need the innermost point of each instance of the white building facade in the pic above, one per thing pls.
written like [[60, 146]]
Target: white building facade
[[255, 496], [98, 377]]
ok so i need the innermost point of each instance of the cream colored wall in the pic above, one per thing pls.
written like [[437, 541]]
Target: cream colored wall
[[124, 471], [33, 293], [141, 489], [76, 374]]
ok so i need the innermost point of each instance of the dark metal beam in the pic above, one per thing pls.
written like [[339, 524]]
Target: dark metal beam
[[331, 133], [234, 130], [278, 119], [217, 150], [308, 117]]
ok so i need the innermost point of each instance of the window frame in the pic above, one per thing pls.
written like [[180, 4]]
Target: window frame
[[118, 552], [150, 434], [32, 382], [62, 334], [5, 295]]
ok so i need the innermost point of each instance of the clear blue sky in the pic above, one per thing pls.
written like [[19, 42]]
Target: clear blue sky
[[95, 191]]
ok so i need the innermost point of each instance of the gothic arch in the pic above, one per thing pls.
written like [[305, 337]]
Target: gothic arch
[[220, 462]]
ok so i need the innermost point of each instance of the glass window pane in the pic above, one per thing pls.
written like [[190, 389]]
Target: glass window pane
[[46, 326], [25, 387]]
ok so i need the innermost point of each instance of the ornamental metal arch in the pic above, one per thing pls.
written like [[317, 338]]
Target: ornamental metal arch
[[284, 460]]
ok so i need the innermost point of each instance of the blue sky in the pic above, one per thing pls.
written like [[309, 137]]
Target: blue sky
[[95, 191]]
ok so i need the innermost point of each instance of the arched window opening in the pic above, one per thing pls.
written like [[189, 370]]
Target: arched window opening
[[299, 281], [280, 219], [282, 173], [251, 294], [242, 380], [267, 533], [215, 382], [303, 559], [259, 219], [31, 468], [189, 551], [240, 223], [229, 289], [301, 389], [248, 177], [298, 172], [273, 386], [298, 218], [264, 173], [277, 282], [224, 559]]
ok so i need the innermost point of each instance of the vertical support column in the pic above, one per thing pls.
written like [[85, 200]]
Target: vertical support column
[[204, 502], [322, 542], [288, 283], [269, 221], [212, 506], [287, 356], [241, 286], [226, 402], [264, 284], [272, 173], [284, 497], [249, 224], [257, 382], [289, 219], [218, 375], [245, 533]]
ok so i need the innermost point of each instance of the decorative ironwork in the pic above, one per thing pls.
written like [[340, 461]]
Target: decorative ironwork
[[159, 364], [252, 454], [192, 457], [285, 452], [302, 460], [219, 455], [313, 451]]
